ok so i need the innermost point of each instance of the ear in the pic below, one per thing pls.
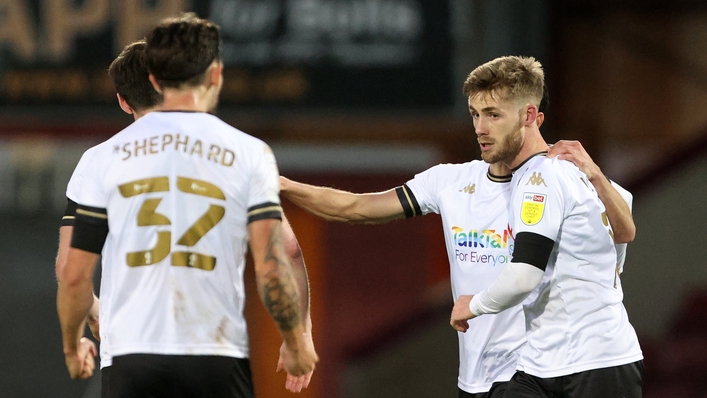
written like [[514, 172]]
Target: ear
[[216, 74], [124, 105], [531, 114], [540, 119], [155, 85]]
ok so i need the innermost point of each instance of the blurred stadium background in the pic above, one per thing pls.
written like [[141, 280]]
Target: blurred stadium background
[[361, 95]]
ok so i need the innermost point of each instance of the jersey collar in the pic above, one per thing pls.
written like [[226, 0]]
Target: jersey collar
[[495, 178], [541, 153]]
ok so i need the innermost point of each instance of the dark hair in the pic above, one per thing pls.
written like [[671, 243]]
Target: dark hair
[[131, 79], [180, 50]]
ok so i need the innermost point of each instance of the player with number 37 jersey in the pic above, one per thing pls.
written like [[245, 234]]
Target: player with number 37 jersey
[[177, 190]]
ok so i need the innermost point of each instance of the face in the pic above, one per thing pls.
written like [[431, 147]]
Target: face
[[498, 124]]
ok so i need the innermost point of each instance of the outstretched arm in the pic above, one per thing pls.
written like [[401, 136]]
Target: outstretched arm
[[279, 292], [336, 205], [617, 209]]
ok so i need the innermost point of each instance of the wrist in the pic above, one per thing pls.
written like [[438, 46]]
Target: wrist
[[474, 307]]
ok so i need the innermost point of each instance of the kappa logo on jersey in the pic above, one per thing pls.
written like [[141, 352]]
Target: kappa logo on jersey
[[533, 208], [470, 189], [536, 179]]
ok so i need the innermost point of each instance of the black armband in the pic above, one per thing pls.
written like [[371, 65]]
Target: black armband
[[533, 249], [67, 220], [264, 211], [408, 201], [90, 229]]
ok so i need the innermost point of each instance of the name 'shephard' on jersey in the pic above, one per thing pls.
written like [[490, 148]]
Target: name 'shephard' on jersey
[[177, 142]]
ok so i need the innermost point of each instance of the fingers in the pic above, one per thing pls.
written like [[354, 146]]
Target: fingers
[[295, 384], [460, 326], [89, 365]]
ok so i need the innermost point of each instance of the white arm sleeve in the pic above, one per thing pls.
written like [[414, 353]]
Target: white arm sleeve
[[512, 286]]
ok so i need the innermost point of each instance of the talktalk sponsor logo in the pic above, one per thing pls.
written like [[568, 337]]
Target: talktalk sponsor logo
[[484, 238], [471, 246]]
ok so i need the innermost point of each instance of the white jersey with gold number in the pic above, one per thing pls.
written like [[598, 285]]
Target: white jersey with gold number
[[179, 189], [575, 319], [473, 205]]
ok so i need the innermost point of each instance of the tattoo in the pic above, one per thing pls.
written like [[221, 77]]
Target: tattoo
[[279, 292]]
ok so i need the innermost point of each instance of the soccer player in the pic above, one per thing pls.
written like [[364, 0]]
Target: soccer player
[[137, 97], [579, 340], [175, 321], [472, 199]]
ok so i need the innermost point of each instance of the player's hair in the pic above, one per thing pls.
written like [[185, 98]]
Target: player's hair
[[180, 50], [131, 79], [513, 77]]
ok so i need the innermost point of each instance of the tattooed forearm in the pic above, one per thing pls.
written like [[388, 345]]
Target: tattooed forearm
[[277, 286]]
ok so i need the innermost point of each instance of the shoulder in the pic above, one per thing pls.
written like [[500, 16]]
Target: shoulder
[[456, 170]]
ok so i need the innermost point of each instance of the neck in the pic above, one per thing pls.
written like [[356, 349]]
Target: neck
[[533, 143], [499, 169], [196, 99], [138, 114]]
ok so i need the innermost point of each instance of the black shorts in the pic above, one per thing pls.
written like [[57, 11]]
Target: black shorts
[[176, 376], [618, 381], [497, 391]]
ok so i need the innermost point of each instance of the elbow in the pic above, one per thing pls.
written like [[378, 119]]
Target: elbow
[[626, 236]]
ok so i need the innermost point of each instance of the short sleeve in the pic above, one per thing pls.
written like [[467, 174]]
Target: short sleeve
[[86, 184], [264, 188], [73, 188], [538, 202], [423, 191], [621, 248]]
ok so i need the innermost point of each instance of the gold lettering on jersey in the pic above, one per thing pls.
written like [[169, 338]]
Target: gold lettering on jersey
[[213, 153], [227, 157], [605, 221], [196, 148], [178, 142], [202, 225], [199, 187], [166, 140], [183, 143], [470, 189], [155, 184], [536, 179], [127, 152], [533, 208], [148, 214], [193, 260], [154, 144], [142, 147], [154, 255]]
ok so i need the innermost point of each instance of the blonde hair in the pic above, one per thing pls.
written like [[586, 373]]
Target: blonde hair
[[513, 77]]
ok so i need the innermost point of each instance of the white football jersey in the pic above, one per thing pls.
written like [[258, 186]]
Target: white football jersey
[[73, 190], [575, 319], [473, 206], [621, 248], [179, 189]]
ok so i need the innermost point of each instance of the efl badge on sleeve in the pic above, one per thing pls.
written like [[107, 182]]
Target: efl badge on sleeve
[[533, 208]]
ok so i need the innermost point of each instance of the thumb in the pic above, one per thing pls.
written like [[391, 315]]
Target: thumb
[[280, 367]]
